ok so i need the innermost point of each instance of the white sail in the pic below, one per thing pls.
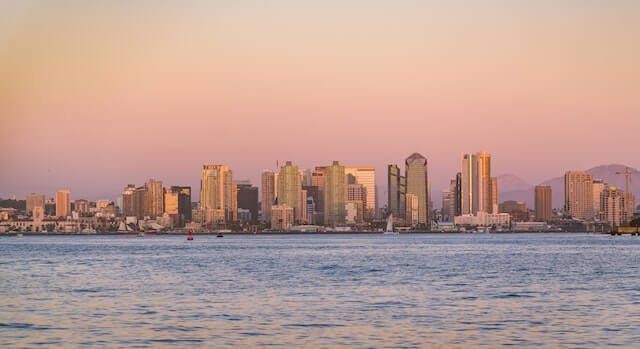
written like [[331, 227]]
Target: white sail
[[390, 223]]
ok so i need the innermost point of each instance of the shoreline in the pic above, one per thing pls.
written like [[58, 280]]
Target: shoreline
[[180, 233]]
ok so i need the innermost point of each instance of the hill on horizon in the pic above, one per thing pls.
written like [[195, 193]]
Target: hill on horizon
[[517, 189]]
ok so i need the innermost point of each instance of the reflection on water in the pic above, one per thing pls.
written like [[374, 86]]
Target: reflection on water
[[320, 290]]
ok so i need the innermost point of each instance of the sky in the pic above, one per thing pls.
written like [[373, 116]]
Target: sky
[[96, 95]]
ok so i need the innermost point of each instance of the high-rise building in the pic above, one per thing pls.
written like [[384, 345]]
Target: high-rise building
[[449, 202], [184, 203], [612, 206], [366, 176], [598, 187], [402, 196], [418, 185], [217, 197], [334, 195], [629, 206], [268, 194], [469, 184], [578, 194], [127, 201], [493, 195], [154, 201], [34, 200], [281, 217], [171, 198], [177, 204], [412, 212], [543, 201], [139, 202], [479, 190], [458, 195], [484, 182], [248, 199], [63, 203], [307, 176], [304, 217], [313, 197], [393, 192], [318, 180], [289, 188]]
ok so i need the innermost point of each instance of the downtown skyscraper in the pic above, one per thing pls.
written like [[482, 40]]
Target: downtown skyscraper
[[416, 172], [479, 191], [290, 189], [578, 194], [217, 194], [334, 195], [268, 194]]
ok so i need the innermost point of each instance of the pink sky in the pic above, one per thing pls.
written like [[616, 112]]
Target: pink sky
[[93, 97]]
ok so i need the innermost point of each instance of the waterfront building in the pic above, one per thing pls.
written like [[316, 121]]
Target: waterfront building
[[268, 194], [516, 209], [366, 176], [63, 203], [281, 217], [629, 205], [598, 187], [154, 200], [543, 202], [483, 219], [417, 184], [244, 215], [578, 194], [217, 193], [354, 212], [334, 195], [82, 206], [612, 206], [34, 200], [248, 199], [289, 189]]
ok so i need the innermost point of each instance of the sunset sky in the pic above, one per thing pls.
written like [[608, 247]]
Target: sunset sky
[[98, 94]]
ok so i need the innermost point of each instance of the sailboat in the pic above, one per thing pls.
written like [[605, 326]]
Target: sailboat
[[389, 230]]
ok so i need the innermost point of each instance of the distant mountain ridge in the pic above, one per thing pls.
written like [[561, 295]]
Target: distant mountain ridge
[[514, 188]]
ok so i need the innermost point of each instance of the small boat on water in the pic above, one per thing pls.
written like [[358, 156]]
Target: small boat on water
[[219, 235], [19, 235], [389, 230]]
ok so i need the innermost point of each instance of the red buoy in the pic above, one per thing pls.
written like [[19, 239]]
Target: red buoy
[[190, 237]]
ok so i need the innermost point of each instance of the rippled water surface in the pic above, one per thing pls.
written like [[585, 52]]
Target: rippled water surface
[[568, 290]]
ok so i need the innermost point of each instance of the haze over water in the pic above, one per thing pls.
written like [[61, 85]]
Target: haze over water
[[552, 290]]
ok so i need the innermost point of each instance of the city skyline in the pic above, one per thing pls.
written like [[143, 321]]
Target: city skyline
[[366, 83]]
